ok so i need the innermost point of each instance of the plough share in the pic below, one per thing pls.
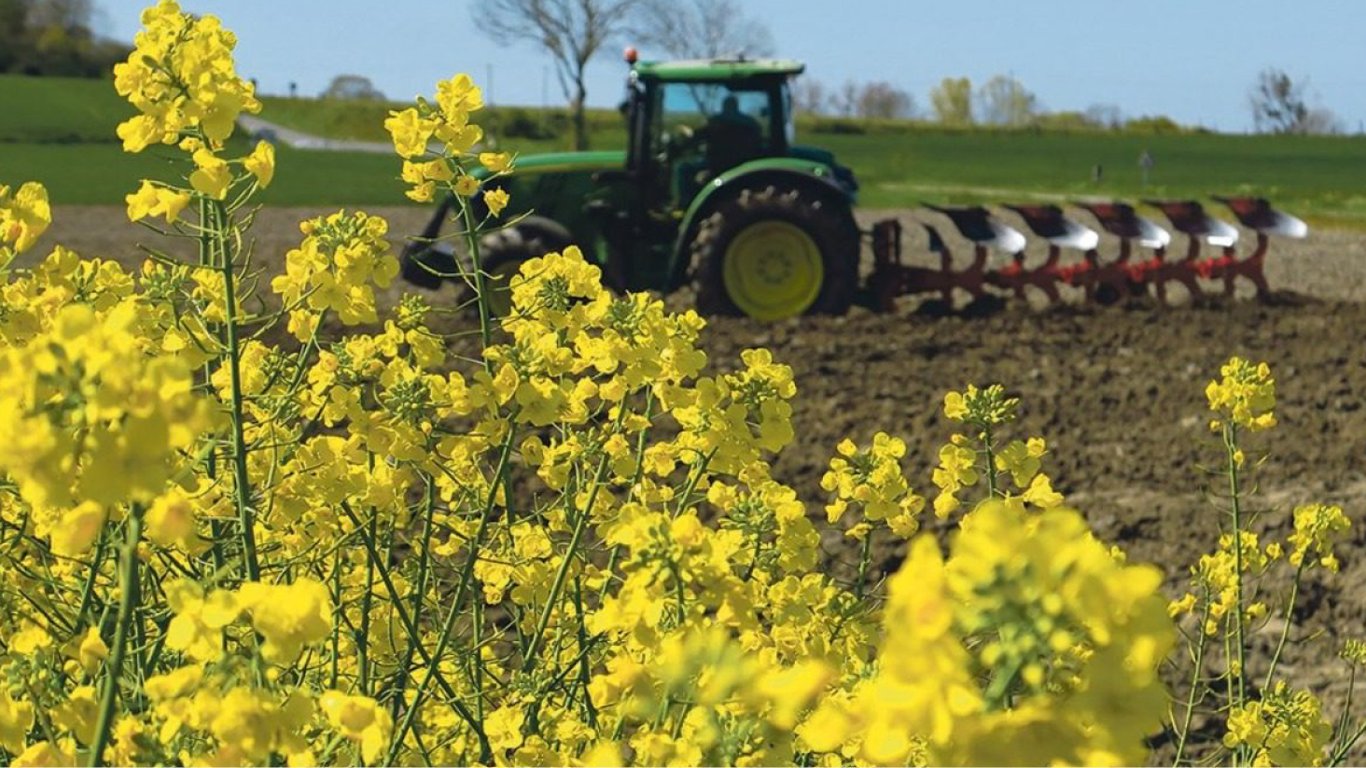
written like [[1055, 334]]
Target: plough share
[[1128, 274]]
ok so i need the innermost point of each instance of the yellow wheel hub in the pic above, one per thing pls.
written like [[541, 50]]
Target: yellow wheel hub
[[773, 270]]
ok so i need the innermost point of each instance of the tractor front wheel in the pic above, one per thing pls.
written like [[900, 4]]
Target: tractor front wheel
[[773, 253]]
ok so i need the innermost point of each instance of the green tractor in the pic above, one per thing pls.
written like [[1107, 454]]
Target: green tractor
[[711, 191]]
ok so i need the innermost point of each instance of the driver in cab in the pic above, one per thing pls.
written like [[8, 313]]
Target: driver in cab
[[731, 137]]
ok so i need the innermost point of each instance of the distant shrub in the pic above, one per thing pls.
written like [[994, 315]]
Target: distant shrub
[[1155, 124], [1067, 122], [837, 125], [536, 124]]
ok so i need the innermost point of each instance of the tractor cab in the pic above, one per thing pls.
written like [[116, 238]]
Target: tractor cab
[[691, 121]]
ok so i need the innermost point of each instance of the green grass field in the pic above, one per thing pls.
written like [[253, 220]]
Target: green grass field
[[61, 131], [97, 174], [59, 110], [1317, 177]]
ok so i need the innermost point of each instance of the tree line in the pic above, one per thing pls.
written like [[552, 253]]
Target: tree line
[[54, 37], [572, 32]]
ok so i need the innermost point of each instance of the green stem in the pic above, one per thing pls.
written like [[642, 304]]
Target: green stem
[[1285, 631], [863, 563], [1193, 698], [1341, 729], [556, 587], [88, 591], [991, 461], [472, 242], [206, 259], [476, 657], [462, 590], [246, 518], [419, 592], [585, 674], [693, 479], [998, 692], [1341, 752], [1236, 508], [409, 625], [363, 634], [336, 625], [128, 605]]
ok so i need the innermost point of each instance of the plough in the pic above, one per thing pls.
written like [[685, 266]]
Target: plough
[[1104, 281]]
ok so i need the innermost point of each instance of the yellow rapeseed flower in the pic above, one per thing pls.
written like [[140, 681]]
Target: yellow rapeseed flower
[[360, 719], [288, 616], [156, 200], [261, 163], [1245, 395], [24, 216], [496, 199]]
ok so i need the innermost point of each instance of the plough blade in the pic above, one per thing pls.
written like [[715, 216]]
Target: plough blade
[[1256, 214], [1048, 222], [1189, 218], [1103, 281], [978, 225], [1120, 220]]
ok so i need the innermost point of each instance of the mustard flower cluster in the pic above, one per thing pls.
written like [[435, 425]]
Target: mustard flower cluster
[[968, 459], [94, 419], [1244, 396], [24, 216], [342, 255], [873, 481], [181, 79], [1029, 643], [1318, 527], [1284, 727], [1219, 576], [436, 139], [1228, 600], [355, 547]]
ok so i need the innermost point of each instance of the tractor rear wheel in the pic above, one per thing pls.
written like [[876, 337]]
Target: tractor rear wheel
[[776, 252], [502, 254], [498, 271]]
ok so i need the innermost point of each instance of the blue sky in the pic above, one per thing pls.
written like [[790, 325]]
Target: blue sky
[[1194, 60]]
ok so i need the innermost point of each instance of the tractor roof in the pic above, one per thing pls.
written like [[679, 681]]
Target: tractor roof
[[717, 70]]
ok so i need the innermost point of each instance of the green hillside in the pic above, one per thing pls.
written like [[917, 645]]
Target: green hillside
[[61, 131], [48, 110]]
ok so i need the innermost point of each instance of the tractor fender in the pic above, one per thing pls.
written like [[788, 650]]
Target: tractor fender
[[818, 177]]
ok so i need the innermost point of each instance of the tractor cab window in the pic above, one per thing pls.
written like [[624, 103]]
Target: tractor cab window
[[705, 128]]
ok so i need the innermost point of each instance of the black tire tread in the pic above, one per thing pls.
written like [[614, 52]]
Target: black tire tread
[[831, 231]]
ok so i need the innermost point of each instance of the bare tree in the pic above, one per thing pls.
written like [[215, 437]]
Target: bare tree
[[1105, 116], [809, 96], [1279, 105], [701, 29], [571, 31], [1005, 101], [882, 100], [1321, 121], [951, 101], [844, 102]]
